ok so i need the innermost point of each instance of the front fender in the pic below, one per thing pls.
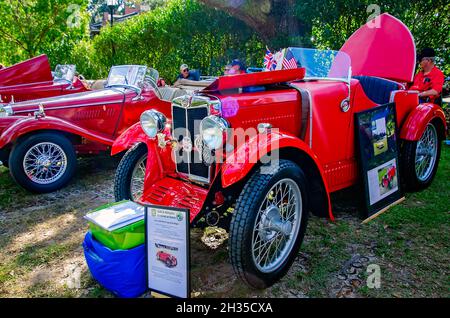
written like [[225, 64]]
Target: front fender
[[26, 124], [241, 162], [129, 138], [415, 124]]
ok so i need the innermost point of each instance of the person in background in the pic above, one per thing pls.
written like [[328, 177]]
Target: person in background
[[430, 80], [237, 67], [185, 73], [227, 69]]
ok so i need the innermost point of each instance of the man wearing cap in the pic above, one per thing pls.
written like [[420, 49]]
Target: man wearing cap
[[430, 80], [185, 73], [237, 67]]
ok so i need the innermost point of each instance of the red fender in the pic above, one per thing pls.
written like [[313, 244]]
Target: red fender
[[415, 124], [28, 124], [244, 158], [129, 138]]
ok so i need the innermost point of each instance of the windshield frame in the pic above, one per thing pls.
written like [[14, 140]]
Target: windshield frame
[[135, 85], [68, 67], [346, 79]]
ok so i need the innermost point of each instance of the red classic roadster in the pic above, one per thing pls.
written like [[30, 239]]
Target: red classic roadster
[[168, 259], [39, 139], [33, 79], [272, 146]]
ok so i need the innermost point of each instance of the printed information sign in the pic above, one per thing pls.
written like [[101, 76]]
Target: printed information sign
[[168, 263]]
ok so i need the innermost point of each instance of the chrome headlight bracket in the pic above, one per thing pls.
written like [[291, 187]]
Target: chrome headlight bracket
[[6, 111]]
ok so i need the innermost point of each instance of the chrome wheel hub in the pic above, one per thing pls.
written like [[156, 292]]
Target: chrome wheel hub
[[277, 226], [45, 163], [273, 223], [426, 153]]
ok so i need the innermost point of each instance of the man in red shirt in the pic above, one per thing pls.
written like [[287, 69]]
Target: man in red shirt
[[430, 80]]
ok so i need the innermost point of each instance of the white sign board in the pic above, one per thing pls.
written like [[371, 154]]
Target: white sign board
[[168, 266]]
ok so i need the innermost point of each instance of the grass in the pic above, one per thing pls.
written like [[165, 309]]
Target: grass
[[409, 243]]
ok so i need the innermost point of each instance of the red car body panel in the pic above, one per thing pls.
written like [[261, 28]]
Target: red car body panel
[[234, 170], [33, 79], [128, 139], [367, 49], [25, 125], [176, 193], [38, 90], [417, 121], [245, 80], [35, 70]]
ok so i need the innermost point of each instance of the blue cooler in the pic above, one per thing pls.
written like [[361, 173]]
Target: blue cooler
[[122, 272]]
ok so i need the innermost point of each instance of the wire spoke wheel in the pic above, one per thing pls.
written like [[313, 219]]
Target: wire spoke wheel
[[137, 179], [277, 225], [426, 153], [45, 163]]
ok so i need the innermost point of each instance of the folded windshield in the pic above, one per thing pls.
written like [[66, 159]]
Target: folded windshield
[[64, 72], [322, 64], [127, 75]]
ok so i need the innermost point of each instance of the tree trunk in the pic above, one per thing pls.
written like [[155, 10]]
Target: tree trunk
[[273, 20]]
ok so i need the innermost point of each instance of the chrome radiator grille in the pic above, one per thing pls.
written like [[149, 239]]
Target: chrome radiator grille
[[186, 131]]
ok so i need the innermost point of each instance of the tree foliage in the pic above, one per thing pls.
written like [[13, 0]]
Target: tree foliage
[[206, 34], [184, 31], [32, 27], [329, 23]]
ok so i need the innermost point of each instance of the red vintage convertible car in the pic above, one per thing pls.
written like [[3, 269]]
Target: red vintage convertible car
[[168, 259], [40, 139], [272, 146], [33, 79]]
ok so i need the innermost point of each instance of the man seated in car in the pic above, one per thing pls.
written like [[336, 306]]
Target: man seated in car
[[187, 74], [237, 67], [430, 80]]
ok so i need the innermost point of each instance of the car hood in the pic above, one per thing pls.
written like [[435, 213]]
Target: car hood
[[384, 47], [104, 96], [33, 70]]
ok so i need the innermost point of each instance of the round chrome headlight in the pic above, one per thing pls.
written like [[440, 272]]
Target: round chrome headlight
[[213, 130], [153, 122]]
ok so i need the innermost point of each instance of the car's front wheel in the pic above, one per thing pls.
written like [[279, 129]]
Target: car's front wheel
[[268, 224], [129, 180], [43, 162], [421, 159]]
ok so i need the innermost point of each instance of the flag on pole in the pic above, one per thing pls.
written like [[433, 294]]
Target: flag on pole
[[289, 61], [269, 62]]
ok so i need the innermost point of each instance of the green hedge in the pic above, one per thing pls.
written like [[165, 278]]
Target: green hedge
[[184, 31]]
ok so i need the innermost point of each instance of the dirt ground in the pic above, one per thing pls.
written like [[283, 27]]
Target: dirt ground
[[41, 253]]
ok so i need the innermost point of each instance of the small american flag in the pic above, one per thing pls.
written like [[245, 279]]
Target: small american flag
[[269, 62], [289, 61]]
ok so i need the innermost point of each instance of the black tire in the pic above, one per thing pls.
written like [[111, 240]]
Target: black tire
[[20, 150], [124, 173], [412, 181], [245, 216]]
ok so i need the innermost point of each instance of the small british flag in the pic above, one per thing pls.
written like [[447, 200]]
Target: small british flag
[[269, 62], [289, 61]]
